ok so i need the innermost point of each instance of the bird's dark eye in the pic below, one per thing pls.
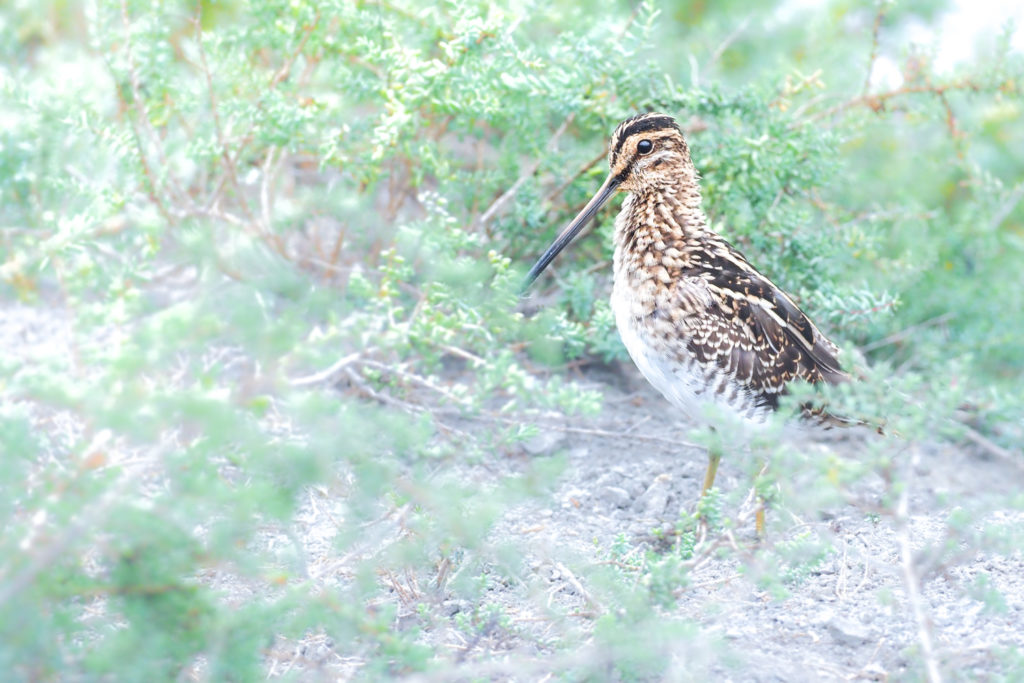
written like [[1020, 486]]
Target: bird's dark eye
[[644, 146]]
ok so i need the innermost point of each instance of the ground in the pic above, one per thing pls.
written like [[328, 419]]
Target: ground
[[626, 474], [847, 617]]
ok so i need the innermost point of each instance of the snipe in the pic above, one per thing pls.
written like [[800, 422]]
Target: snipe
[[700, 322]]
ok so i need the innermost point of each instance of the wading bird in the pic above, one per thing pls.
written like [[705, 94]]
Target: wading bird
[[701, 323]]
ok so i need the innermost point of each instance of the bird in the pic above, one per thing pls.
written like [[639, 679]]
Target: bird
[[701, 323]]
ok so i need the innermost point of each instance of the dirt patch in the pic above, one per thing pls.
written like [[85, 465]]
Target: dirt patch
[[823, 597], [845, 617]]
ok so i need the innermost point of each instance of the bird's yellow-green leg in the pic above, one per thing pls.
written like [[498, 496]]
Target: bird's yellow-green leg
[[703, 511], [714, 457]]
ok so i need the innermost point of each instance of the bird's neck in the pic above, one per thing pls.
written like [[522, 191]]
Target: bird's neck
[[656, 219]]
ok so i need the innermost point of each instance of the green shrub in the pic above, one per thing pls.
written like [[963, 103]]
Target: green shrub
[[260, 264]]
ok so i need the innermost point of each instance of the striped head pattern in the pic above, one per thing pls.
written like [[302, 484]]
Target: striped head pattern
[[648, 150]]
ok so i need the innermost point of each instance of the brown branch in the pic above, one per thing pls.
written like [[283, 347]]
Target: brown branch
[[510, 193], [992, 448], [140, 124], [877, 102], [879, 16], [286, 68], [229, 163], [954, 131], [579, 173]]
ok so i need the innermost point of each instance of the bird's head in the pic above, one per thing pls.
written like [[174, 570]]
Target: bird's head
[[646, 151]]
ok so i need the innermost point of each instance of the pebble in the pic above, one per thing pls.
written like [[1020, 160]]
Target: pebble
[[848, 632], [875, 672], [545, 443], [655, 499], [451, 607], [616, 497], [611, 478]]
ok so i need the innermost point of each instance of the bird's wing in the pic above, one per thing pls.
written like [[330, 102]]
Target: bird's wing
[[754, 332]]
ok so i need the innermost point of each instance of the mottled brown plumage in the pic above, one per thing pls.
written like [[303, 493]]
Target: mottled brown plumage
[[701, 323]]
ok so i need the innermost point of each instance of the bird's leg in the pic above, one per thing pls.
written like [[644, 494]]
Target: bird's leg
[[714, 457]]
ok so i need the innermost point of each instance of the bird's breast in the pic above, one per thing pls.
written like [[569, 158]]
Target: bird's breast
[[657, 317]]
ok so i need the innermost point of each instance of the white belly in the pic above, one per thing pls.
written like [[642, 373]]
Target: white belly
[[684, 382]]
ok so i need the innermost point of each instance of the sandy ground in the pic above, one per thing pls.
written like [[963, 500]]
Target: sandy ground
[[847, 616], [850, 615]]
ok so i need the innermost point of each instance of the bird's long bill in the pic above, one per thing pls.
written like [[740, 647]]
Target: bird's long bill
[[573, 229]]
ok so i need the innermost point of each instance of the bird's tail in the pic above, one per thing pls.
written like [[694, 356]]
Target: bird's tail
[[820, 415]]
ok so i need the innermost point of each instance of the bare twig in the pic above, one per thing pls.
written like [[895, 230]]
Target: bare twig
[[954, 130], [140, 124], [229, 162], [511, 192], [912, 581], [798, 113], [729, 40], [992, 448], [268, 172], [387, 399], [326, 374], [867, 311], [624, 435], [582, 169], [875, 29], [286, 68], [417, 379], [1007, 207], [476, 360], [897, 337], [590, 600], [878, 101]]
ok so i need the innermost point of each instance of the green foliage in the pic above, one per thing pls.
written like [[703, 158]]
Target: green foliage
[[796, 559], [260, 265]]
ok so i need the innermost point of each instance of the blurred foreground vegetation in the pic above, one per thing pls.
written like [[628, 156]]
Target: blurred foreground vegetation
[[258, 258]]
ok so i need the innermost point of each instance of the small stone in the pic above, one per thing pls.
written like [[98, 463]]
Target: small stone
[[611, 478], [823, 617], [452, 607], [616, 497], [655, 499], [544, 443], [875, 672], [579, 453], [638, 530], [634, 486], [848, 631]]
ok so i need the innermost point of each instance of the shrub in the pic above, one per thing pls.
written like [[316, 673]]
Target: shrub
[[261, 265]]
